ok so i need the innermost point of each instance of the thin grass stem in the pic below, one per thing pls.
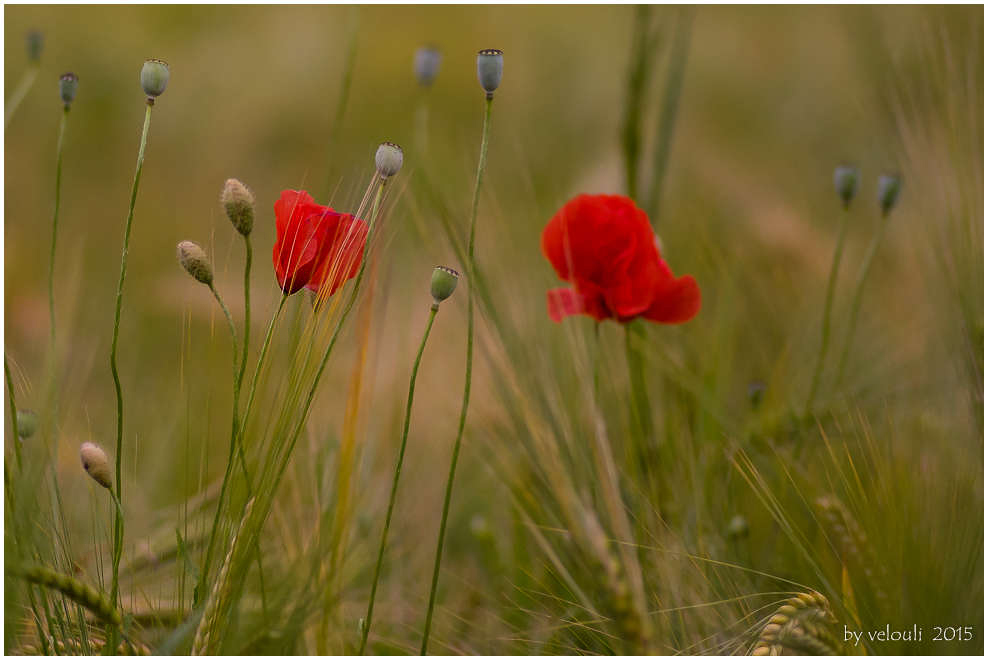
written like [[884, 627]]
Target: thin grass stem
[[394, 482], [471, 268], [23, 87]]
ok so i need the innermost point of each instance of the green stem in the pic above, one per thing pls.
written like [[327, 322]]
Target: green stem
[[118, 522], [13, 411], [827, 308], [858, 290], [640, 408], [394, 482], [341, 103], [54, 228], [638, 73], [27, 81], [238, 431], [246, 346], [471, 269], [233, 338]]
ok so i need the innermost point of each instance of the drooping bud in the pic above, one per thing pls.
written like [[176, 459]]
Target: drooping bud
[[35, 42], [889, 186], [238, 201], [427, 60], [154, 78], [27, 423], [95, 463], [194, 260], [846, 183], [68, 83], [444, 281], [738, 527], [388, 159], [490, 66]]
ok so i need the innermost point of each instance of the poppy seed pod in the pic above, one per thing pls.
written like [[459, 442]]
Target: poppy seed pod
[[444, 281], [27, 423], [490, 66], [35, 42], [889, 186], [95, 463], [846, 183], [427, 60], [239, 204], [68, 83], [388, 159], [195, 262], [154, 77]]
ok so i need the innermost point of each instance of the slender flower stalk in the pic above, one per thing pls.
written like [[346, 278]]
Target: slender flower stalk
[[394, 483], [35, 41], [489, 73], [846, 184], [54, 227], [118, 524], [349, 58]]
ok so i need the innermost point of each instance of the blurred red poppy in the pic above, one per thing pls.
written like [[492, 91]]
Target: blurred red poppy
[[316, 247], [605, 247]]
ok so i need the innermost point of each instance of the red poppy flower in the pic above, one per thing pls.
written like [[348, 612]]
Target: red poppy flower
[[604, 246], [316, 247]]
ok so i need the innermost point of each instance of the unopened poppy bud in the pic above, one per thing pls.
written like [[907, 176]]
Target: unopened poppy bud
[[27, 423], [443, 283], [427, 60], [846, 183], [194, 260], [95, 463], [889, 186], [490, 65], [737, 528], [154, 78], [68, 83], [239, 204], [388, 159], [35, 42]]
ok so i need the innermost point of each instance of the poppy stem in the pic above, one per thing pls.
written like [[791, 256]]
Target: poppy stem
[[827, 308], [394, 483], [471, 269], [348, 61], [23, 87], [118, 531], [856, 301], [54, 234], [640, 408]]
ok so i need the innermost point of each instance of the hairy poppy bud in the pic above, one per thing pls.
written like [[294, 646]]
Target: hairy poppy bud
[[95, 463], [68, 83], [846, 183], [490, 65], [889, 186], [27, 423], [427, 61], [388, 159], [35, 42], [154, 77], [194, 260], [443, 283], [239, 204], [738, 527]]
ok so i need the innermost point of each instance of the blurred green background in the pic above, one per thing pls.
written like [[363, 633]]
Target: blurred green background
[[773, 98]]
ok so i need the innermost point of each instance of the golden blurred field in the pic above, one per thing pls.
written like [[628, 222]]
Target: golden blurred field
[[772, 99]]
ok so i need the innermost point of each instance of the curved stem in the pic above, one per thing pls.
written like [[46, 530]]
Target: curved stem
[[118, 523], [471, 268], [233, 338], [22, 89], [828, 306], [394, 482], [856, 301], [13, 411]]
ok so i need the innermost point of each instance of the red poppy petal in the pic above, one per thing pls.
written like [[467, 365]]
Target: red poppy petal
[[567, 302], [676, 302], [340, 254]]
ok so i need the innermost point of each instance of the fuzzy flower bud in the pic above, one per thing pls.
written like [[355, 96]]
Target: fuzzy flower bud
[[194, 260], [95, 463], [388, 159], [239, 204], [35, 42], [846, 183], [427, 60], [490, 65], [889, 186], [27, 423], [443, 283], [154, 78], [68, 83]]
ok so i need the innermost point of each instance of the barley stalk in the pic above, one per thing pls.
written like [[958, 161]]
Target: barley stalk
[[74, 589], [801, 626]]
